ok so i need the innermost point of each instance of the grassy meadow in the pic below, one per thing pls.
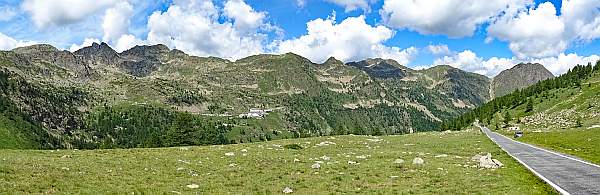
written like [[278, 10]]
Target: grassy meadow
[[348, 164]]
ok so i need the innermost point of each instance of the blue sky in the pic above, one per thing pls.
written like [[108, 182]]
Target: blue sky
[[478, 36]]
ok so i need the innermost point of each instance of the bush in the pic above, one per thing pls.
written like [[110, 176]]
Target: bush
[[293, 146]]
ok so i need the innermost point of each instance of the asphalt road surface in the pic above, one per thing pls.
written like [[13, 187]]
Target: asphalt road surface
[[567, 174]]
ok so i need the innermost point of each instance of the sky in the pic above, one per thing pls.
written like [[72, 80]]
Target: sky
[[484, 37]]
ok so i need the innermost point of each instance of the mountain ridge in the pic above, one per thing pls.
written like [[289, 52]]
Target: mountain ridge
[[373, 96]]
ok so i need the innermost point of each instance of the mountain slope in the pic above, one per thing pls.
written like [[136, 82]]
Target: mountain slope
[[96, 97], [518, 77], [555, 103]]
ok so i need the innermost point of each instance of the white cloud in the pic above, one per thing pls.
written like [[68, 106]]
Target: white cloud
[[469, 61], [352, 39], [440, 49], [454, 18], [533, 33], [46, 13], [194, 27], [582, 18], [7, 13], [8, 43], [563, 62], [116, 21], [126, 42], [245, 18], [538, 32], [87, 42], [351, 5]]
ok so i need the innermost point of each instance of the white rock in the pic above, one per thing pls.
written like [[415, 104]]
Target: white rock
[[244, 150], [418, 161], [489, 163], [296, 160], [351, 162], [398, 161], [325, 157], [316, 166], [193, 186], [287, 190], [441, 156], [229, 154], [361, 157]]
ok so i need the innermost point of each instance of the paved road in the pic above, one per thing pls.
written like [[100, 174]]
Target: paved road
[[566, 174]]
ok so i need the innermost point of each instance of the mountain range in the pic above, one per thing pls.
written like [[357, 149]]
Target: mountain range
[[146, 96]]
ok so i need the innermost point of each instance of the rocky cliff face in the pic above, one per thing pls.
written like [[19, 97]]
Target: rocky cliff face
[[518, 77]]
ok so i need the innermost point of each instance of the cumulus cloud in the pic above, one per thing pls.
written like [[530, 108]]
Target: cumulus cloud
[[454, 18], [194, 27], [46, 13], [8, 43], [469, 61], [351, 5], [563, 62], [245, 18], [538, 32], [116, 21], [533, 33], [352, 39]]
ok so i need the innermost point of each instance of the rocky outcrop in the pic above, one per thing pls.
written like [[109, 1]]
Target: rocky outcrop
[[518, 77]]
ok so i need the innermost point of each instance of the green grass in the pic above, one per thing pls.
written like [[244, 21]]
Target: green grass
[[268, 169]]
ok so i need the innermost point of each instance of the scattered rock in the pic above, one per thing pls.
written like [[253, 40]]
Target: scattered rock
[[418, 161], [229, 154], [398, 161], [351, 162], [66, 156], [489, 163], [184, 148], [287, 190], [325, 143], [296, 160], [325, 157], [316, 166], [441, 156], [193, 186], [361, 157], [244, 150]]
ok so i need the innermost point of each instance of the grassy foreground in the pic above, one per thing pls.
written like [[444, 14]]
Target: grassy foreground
[[268, 168]]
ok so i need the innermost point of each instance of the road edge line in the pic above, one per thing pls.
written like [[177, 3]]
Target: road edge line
[[555, 186], [555, 153]]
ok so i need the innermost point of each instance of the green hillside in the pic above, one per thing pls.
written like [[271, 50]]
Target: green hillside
[[562, 114], [99, 98]]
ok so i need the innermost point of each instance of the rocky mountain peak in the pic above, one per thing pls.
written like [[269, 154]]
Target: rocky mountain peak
[[332, 60], [519, 76], [100, 50]]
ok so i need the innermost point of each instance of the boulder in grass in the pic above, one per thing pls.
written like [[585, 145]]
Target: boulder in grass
[[418, 161], [316, 166], [398, 161], [193, 186], [287, 190]]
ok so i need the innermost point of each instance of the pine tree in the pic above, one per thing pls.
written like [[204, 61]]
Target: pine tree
[[529, 106], [507, 118]]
